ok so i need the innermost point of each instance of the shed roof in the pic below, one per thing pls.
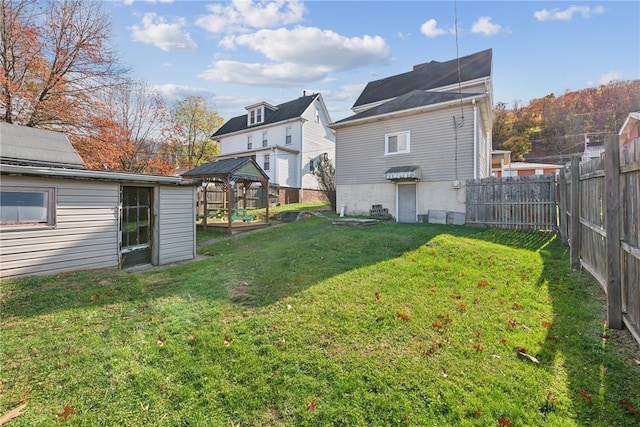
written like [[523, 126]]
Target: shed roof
[[28, 146]]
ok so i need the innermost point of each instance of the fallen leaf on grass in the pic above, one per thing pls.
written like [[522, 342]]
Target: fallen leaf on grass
[[15, 412], [66, 411], [402, 316], [462, 307], [546, 324], [627, 404], [95, 297], [483, 284], [584, 395], [227, 341], [455, 296], [528, 357], [503, 422], [436, 325], [478, 347], [377, 295], [380, 319], [161, 340], [312, 406]]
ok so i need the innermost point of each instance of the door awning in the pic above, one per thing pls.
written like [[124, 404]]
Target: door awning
[[403, 172]]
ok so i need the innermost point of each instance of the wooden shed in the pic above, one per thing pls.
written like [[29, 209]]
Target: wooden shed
[[56, 216]]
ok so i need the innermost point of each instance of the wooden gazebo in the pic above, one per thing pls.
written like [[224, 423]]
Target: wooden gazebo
[[225, 174]]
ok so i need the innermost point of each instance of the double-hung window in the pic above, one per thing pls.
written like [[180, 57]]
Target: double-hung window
[[396, 143], [267, 162], [287, 138], [27, 206], [264, 139], [249, 142]]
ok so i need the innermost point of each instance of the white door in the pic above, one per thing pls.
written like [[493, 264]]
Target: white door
[[407, 203]]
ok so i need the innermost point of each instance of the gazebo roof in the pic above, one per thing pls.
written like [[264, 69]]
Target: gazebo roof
[[241, 168]]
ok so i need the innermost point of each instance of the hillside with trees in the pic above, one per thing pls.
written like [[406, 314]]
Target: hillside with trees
[[551, 129]]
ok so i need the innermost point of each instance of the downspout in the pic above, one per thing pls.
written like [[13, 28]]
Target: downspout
[[475, 139]]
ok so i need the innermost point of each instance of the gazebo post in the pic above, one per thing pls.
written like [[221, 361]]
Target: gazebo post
[[265, 185], [206, 205], [229, 203]]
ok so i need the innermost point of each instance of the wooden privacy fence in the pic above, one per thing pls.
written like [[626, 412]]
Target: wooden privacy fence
[[523, 202], [600, 220]]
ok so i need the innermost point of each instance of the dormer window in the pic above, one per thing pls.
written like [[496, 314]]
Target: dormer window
[[256, 115]]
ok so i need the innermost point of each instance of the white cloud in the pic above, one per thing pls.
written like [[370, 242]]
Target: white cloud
[[431, 30], [243, 15], [130, 2], [613, 76], [567, 14], [173, 93], [324, 50], [257, 74], [154, 30], [484, 26]]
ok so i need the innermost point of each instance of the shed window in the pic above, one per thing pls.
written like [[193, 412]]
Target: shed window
[[397, 143], [20, 206]]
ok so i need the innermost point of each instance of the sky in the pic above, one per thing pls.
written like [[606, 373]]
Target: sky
[[242, 52]]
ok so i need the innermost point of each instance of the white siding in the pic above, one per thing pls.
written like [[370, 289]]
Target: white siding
[[85, 234], [176, 223], [318, 139]]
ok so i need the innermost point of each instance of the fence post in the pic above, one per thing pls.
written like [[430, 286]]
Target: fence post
[[562, 206], [612, 226], [574, 241]]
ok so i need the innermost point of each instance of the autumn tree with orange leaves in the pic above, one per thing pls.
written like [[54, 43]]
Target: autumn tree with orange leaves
[[129, 134], [59, 73]]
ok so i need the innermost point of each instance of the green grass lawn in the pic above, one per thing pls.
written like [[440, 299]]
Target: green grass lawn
[[312, 324]]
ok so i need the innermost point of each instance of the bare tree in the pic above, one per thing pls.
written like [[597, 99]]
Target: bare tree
[[55, 57]]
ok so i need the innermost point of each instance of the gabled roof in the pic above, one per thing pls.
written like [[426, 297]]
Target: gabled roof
[[286, 111], [27, 146], [239, 168], [429, 76], [412, 100]]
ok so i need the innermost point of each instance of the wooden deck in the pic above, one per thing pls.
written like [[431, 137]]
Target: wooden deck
[[236, 226]]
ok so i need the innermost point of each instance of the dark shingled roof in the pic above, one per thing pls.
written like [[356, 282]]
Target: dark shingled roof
[[27, 146], [428, 76], [413, 99], [285, 111]]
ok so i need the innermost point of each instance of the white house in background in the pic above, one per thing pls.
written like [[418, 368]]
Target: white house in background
[[56, 216], [286, 140], [630, 130], [415, 138]]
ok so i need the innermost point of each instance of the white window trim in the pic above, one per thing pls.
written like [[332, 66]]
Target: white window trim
[[386, 143], [51, 209]]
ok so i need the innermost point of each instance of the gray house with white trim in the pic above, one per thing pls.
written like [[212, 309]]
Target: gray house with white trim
[[56, 216], [415, 138]]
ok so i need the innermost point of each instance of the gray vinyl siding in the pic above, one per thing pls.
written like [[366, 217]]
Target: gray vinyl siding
[[360, 149], [176, 218], [85, 234]]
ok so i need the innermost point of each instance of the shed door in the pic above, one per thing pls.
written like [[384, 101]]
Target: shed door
[[407, 203], [136, 226]]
